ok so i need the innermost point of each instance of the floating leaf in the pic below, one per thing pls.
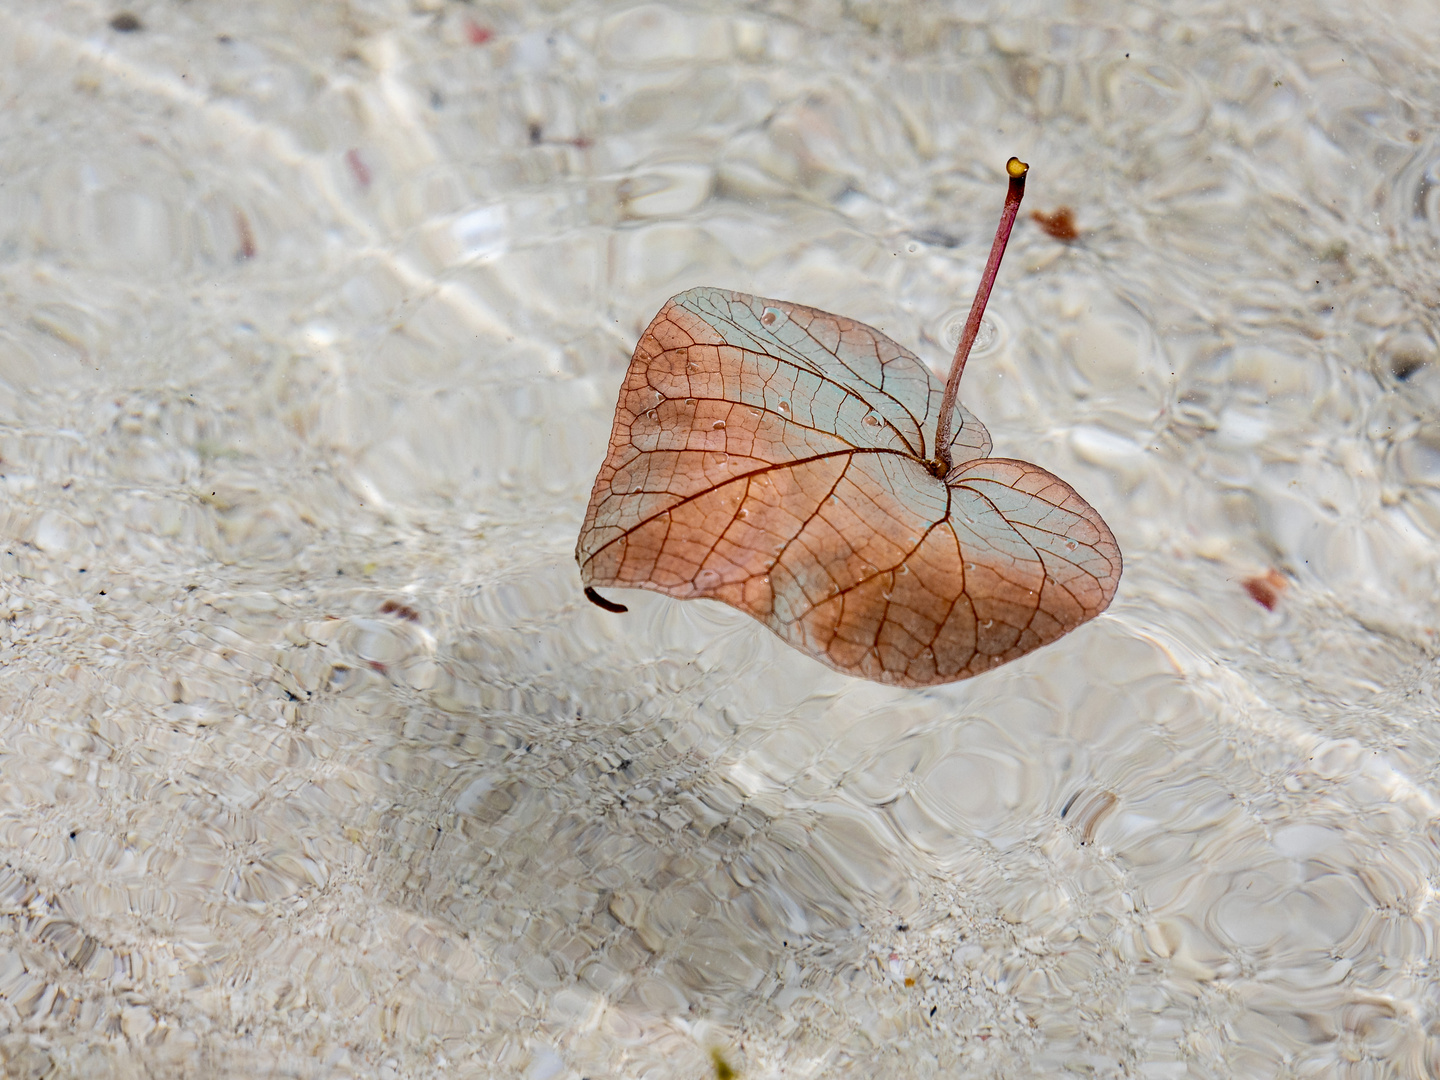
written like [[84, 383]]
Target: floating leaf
[[780, 459]]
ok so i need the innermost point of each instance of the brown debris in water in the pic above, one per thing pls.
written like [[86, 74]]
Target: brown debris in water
[[1267, 588], [1060, 225]]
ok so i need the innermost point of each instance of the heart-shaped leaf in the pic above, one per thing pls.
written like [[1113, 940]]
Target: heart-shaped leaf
[[779, 459]]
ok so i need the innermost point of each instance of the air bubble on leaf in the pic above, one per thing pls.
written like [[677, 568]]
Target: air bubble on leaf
[[987, 624], [692, 367], [722, 459], [718, 425], [756, 412], [652, 415], [771, 316], [872, 420], [689, 402], [784, 407], [742, 513], [707, 579], [1069, 545], [969, 566]]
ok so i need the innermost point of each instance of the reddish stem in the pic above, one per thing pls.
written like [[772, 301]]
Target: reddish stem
[[944, 430]]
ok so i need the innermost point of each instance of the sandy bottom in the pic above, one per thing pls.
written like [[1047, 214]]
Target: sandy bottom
[[314, 762]]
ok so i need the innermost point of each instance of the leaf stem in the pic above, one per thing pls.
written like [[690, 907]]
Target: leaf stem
[[944, 429]]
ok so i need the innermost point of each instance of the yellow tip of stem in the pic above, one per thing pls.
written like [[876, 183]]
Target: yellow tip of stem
[[1016, 168]]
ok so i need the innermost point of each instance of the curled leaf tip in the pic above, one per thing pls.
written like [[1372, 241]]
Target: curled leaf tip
[[1016, 168], [600, 602]]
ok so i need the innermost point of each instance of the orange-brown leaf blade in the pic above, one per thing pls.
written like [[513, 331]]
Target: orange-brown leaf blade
[[773, 457]]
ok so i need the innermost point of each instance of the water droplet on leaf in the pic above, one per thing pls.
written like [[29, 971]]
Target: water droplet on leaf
[[718, 425], [771, 316]]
